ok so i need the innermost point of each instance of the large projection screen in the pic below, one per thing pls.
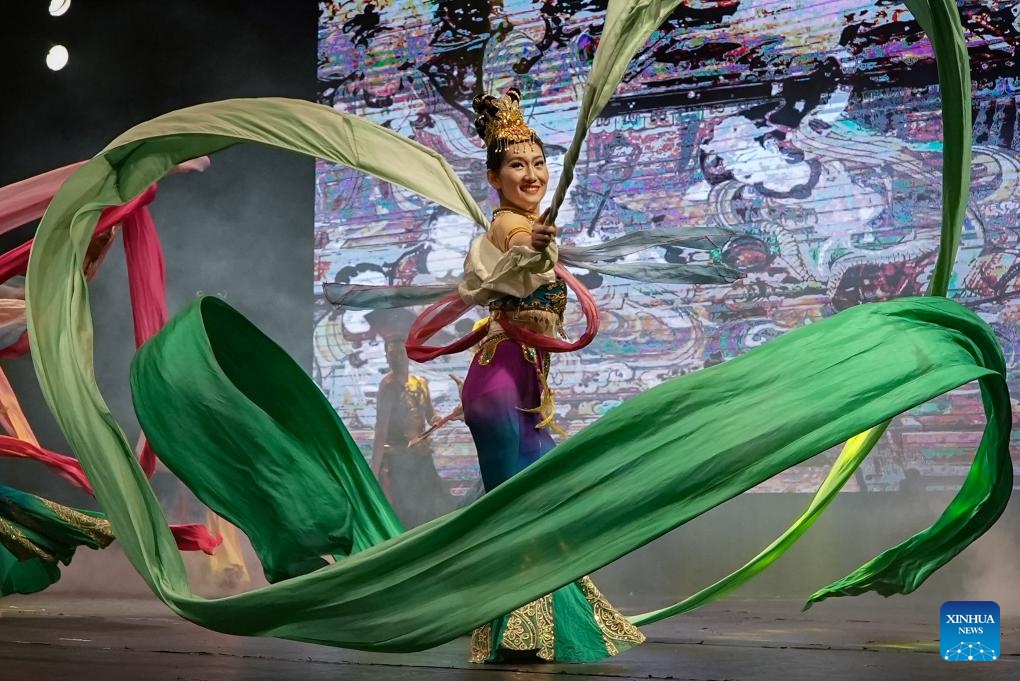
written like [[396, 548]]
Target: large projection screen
[[810, 128]]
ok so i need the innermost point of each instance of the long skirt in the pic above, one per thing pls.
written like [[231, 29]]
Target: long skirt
[[575, 623]]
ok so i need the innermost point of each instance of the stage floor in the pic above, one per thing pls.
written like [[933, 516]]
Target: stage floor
[[59, 636]]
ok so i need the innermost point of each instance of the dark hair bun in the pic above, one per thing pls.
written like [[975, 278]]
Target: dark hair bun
[[483, 104], [485, 108]]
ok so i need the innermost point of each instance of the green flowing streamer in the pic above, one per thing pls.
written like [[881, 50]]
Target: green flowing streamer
[[940, 19], [855, 451], [150, 149], [316, 503], [201, 360], [294, 125], [628, 25]]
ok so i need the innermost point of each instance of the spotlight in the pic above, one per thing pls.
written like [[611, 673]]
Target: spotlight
[[57, 57], [59, 7]]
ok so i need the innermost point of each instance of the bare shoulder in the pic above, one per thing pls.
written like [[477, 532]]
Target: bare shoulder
[[506, 225], [511, 219]]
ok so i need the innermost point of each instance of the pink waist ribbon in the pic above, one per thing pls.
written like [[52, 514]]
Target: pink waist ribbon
[[450, 308]]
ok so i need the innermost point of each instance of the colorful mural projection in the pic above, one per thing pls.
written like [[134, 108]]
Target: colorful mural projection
[[809, 127]]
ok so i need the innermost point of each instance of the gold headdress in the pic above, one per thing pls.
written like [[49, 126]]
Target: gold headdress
[[503, 120]]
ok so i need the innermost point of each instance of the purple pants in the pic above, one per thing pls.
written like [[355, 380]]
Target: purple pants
[[495, 395]]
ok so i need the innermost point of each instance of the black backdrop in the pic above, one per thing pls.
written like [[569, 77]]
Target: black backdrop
[[242, 230]]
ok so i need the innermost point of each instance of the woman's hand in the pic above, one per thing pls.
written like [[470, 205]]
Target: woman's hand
[[542, 234]]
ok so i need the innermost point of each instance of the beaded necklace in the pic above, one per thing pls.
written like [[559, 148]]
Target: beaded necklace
[[531, 217]]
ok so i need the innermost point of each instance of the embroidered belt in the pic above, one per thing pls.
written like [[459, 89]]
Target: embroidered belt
[[550, 298]]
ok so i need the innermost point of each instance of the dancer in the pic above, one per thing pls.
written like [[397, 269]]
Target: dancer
[[508, 404]]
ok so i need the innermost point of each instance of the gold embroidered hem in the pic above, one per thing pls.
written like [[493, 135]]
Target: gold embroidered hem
[[528, 628], [531, 628], [617, 630], [96, 529], [481, 644], [23, 548], [18, 524]]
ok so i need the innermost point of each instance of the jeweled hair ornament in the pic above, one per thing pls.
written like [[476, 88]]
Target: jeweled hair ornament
[[506, 124]]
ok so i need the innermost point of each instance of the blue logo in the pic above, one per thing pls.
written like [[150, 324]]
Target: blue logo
[[969, 631]]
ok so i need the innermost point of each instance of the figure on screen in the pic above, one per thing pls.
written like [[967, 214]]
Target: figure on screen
[[407, 473]]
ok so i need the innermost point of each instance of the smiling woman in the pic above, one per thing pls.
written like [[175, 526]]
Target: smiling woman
[[507, 402], [521, 178]]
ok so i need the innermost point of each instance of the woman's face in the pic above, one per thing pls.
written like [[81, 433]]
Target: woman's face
[[523, 178]]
